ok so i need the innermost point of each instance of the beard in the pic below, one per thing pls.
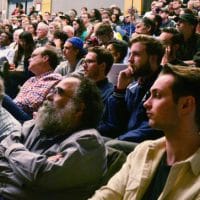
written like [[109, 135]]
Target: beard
[[142, 70], [54, 121]]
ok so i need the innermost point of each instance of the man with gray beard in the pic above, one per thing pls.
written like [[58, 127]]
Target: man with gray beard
[[59, 155]]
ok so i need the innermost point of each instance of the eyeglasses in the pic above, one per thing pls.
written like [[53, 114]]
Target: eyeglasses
[[88, 61]]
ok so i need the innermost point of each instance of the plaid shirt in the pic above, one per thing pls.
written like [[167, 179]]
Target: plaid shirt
[[34, 91]]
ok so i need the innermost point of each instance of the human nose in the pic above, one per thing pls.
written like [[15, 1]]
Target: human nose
[[147, 103], [131, 58], [30, 59], [84, 64]]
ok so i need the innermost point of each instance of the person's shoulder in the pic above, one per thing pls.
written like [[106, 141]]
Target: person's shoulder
[[150, 144], [62, 68], [87, 137], [52, 76], [62, 64], [87, 133]]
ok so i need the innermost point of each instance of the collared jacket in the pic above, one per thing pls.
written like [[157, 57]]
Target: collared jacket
[[125, 116], [26, 172], [132, 181]]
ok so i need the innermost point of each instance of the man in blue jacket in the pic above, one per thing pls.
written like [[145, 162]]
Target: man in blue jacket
[[125, 116]]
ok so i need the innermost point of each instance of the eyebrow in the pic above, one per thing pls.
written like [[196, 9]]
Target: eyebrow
[[59, 90]]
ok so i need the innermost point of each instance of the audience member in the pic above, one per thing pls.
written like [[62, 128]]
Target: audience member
[[14, 44], [53, 27], [187, 26], [79, 28], [97, 64], [18, 72], [87, 23], [72, 14], [69, 30], [172, 40], [5, 50], [125, 116], [106, 16], [65, 20], [34, 91], [176, 8], [74, 52], [118, 50], [128, 24], [42, 33], [58, 40], [167, 168], [95, 16], [18, 10], [47, 17], [155, 8], [104, 33], [32, 11], [145, 26], [59, 155], [32, 27], [166, 21]]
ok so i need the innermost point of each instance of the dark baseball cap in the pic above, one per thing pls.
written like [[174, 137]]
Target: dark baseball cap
[[189, 18], [67, 17]]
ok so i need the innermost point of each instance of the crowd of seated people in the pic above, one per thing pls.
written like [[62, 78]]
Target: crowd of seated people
[[70, 120]]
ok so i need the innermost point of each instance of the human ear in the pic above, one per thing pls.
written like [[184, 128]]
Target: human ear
[[187, 104], [45, 58]]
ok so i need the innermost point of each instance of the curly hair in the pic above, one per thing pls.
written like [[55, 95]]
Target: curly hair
[[88, 95]]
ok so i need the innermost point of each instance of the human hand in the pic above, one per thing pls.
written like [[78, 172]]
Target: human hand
[[55, 158], [125, 78], [167, 56]]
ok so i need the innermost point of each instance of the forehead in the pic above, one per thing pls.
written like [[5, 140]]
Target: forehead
[[163, 82], [4, 35], [42, 27], [139, 24], [165, 36], [138, 47], [84, 16], [69, 84], [68, 44], [91, 55], [38, 50]]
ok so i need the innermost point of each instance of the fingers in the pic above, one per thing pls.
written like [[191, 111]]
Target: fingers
[[55, 158]]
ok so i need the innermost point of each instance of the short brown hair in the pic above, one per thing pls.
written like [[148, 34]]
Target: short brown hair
[[103, 56], [153, 45], [187, 83]]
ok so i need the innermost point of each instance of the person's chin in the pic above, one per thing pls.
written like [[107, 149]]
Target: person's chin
[[151, 123]]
